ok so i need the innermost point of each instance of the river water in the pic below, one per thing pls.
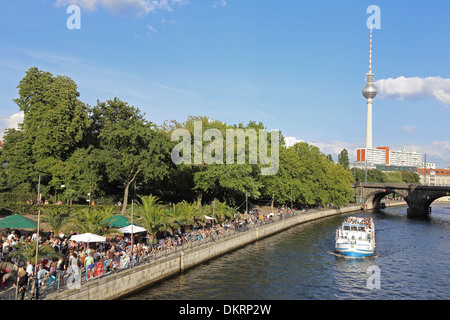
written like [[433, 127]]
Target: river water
[[411, 261]]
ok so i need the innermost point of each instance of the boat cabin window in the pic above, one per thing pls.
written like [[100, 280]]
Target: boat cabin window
[[354, 228], [362, 228], [346, 228]]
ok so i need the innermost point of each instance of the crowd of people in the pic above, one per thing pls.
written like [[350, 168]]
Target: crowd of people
[[70, 254], [368, 221]]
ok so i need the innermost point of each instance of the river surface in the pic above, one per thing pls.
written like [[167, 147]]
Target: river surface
[[411, 261]]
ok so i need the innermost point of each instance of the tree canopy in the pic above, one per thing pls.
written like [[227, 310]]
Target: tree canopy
[[105, 152], [374, 175]]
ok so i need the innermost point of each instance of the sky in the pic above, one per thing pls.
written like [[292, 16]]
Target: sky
[[297, 66]]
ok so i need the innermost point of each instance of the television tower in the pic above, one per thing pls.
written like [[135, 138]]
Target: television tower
[[369, 92]]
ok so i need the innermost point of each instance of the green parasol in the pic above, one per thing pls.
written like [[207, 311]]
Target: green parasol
[[18, 222], [118, 221]]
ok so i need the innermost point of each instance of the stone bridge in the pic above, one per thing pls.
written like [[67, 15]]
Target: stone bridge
[[418, 197]]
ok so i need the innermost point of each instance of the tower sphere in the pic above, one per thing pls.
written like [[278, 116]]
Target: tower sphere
[[369, 91]]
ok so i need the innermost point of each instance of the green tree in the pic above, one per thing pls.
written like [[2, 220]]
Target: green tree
[[343, 159], [54, 118], [393, 177], [91, 220], [54, 124], [130, 145], [410, 177], [81, 174], [217, 180], [358, 174], [16, 155], [56, 216], [287, 184], [218, 210], [153, 216], [314, 179], [313, 174], [339, 184], [27, 252], [228, 182], [373, 175], [184, 214]]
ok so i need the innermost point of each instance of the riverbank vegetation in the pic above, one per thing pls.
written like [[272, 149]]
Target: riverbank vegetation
[[110, 153], [374, 175]]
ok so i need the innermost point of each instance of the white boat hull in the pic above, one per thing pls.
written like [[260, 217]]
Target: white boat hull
[[356, 238], [353, 250]]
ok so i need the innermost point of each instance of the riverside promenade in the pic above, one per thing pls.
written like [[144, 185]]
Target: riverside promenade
[[129, 281]]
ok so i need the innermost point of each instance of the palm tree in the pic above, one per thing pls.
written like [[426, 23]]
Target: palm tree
[[167, 221], [219, 210], [153, 216], [184, 214], [56, 216], [90, 220], [27, 251], [202, 211]]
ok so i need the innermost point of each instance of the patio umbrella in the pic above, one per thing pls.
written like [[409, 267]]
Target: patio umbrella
[[18, 222], [118, 221], [87, 237], [136, 229]]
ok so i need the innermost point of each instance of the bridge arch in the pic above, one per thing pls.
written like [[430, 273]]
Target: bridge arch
[[418, 197], [421, 203], [373, 199]]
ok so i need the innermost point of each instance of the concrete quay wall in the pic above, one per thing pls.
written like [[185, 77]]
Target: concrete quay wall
[[126, 282]]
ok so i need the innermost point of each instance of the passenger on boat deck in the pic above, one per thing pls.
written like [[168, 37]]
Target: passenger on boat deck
[[366, 220]]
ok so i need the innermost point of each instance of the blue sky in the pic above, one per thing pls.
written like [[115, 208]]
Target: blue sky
[[297, 66]]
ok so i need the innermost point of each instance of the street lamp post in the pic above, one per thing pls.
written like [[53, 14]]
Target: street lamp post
[[62, 188], [36, 283], [246, 202], [132, 214]]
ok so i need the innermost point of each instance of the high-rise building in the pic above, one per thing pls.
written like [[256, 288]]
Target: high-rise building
[[376, 156], [405, 158], [385, 156]]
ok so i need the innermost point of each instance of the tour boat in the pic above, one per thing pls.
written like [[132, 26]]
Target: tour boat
[[356, 237]]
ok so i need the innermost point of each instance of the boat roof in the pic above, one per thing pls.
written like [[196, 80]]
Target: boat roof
[[354, 224]]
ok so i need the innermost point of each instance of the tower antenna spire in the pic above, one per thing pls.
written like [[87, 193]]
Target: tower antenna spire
[[370, 50]]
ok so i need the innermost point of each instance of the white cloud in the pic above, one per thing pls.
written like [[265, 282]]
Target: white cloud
[[88, 5], [220, 3], [152, 29], [415, 88], [180, 2], [174, 89], [139, 7], [435, 151], [10, 122], [334, 147], [409, 129]]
